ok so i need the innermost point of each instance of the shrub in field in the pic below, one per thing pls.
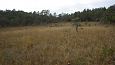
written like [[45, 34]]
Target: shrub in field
[[107, 56]]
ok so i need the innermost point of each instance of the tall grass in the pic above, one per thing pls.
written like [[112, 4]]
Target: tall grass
[[57, 46]]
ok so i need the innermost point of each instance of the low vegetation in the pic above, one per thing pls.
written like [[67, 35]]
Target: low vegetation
[[58, 45]]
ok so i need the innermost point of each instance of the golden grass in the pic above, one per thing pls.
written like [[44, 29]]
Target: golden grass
[[57, 45]]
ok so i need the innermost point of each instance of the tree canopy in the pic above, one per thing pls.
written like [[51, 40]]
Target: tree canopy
[[21, 18]]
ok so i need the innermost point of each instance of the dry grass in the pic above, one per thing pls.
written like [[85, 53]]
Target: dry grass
[[57, 46]]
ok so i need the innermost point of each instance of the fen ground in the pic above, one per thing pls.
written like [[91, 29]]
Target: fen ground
[[58, 44]]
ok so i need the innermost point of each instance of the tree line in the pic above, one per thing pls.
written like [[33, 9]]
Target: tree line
[[21, 18], [105, 15]]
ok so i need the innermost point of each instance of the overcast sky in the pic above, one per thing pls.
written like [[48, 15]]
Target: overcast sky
[[58, 6]]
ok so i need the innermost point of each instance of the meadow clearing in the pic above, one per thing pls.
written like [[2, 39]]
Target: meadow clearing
[[57, 45]]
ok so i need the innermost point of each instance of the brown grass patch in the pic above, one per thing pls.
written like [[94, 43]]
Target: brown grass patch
[[57, 46]]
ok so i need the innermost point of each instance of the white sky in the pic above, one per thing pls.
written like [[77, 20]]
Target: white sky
[[58, 6]]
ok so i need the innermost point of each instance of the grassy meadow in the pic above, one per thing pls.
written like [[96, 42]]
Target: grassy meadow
[[58, 45]]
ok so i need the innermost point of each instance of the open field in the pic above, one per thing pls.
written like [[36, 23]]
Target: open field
[[94, 45]]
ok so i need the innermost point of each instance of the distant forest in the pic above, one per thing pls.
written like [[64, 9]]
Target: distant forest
[[21, 18]]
